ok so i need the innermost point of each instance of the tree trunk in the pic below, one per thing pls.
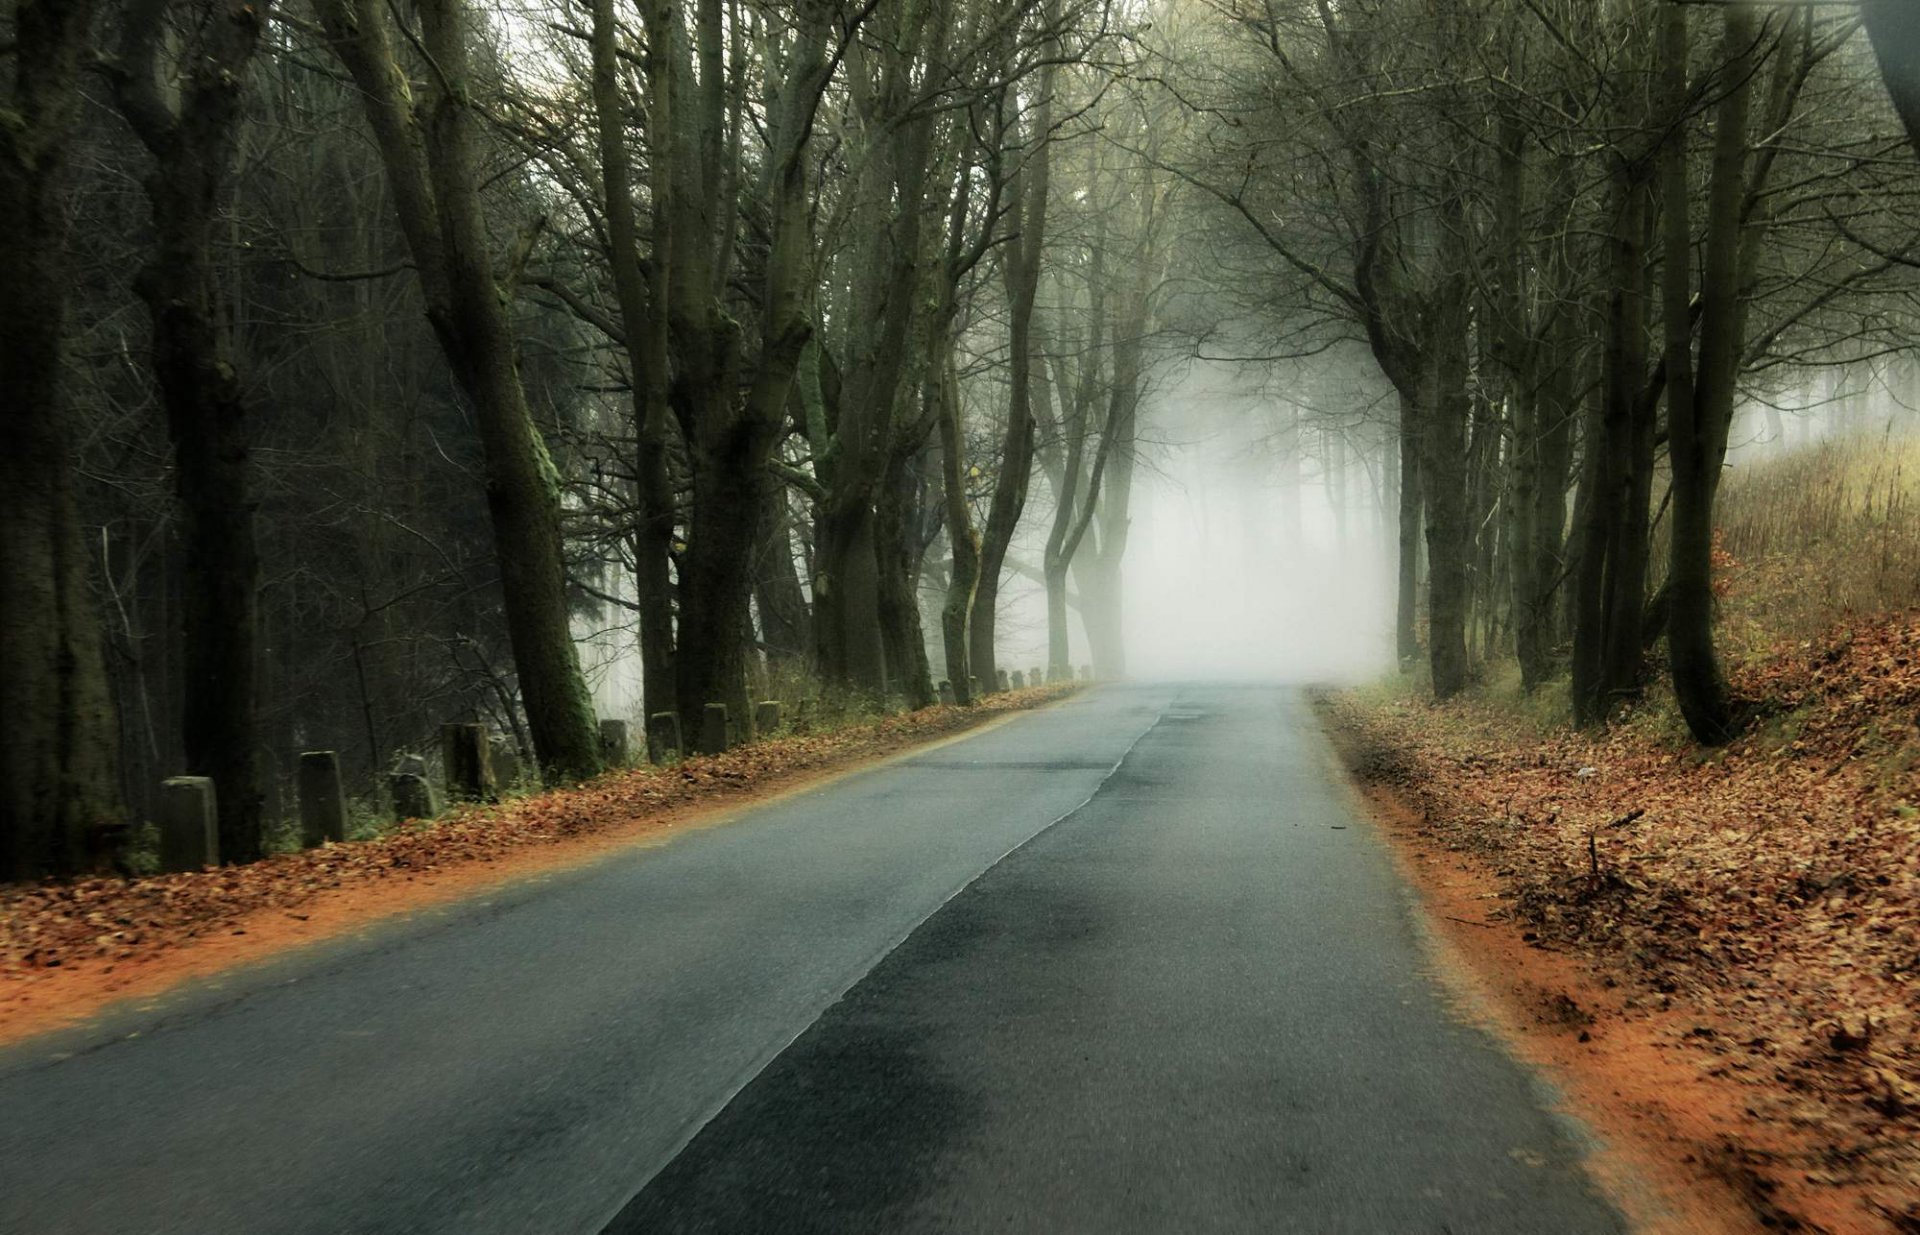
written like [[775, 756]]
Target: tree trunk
[[430, 151], [784, 620], [899, 550], [1443, 475], [1412, 504], [1699, 426], [1101, 583], [644, 321], [956, 613], [846, 591], [1553, 415], [58, 746], [1610, 584], [731, 436], [193, 144], [1021, 257], [1894, 28]]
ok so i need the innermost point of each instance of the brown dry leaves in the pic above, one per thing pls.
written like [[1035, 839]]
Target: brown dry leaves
[[51, 926], [1771, 889]]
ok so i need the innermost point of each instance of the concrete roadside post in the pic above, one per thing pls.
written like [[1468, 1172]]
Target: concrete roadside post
[[189, 824], [468, 761], [713, 729], [412, 797], [323, 802], [613, 742], [663, 737], [506, 761]]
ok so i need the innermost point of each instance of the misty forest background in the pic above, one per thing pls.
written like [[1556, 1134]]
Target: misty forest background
[[368, 366]]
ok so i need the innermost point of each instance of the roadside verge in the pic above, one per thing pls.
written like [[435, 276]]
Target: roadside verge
[[1661, 933], [67, 950]]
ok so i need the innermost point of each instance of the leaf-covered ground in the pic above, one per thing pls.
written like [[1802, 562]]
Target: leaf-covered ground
[[59, 937], [1771, 888]]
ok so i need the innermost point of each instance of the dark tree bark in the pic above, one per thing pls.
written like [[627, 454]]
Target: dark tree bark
[[1020, 259], [193, 144], [1610, 579], [1406, 607], [58, 781], [730, 434], [784, 620], [900, 548], [854, 594], [1539, 351], [1444, 479], [1097, 566], [963, 581], [1894, 28], [645, 328], [1541, 559], [426, 136], [846, 589], [1699, 419]]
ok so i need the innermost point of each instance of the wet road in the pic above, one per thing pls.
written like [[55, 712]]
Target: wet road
[[1190, 996]]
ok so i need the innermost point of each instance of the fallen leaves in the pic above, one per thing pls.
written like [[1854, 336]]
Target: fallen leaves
[[1774, 884], [48, 930]]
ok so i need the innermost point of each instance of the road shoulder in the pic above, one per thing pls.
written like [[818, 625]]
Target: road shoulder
[[70, 952]]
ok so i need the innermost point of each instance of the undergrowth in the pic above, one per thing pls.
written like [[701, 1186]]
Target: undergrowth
[[1820, 535]]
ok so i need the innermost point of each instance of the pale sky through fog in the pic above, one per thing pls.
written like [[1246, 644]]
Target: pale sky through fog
[[1218, 584]]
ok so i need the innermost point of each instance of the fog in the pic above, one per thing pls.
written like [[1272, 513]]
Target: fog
[[1247, 557], [1238, 569]]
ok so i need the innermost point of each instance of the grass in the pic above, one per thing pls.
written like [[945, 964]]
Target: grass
[[1818, 536], [1807, 542]]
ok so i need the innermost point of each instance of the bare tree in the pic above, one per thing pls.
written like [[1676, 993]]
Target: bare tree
[[206, 47], [426, 131], [58, 748]]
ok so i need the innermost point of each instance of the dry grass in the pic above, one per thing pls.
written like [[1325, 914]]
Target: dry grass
[[1820, 536]]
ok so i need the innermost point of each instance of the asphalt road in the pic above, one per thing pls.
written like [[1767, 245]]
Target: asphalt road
[[1132, 963]]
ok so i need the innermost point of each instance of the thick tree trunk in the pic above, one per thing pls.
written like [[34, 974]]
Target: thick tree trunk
[[1021, 259], [963, 582], [1699, 426], [1009, 500], [784, 620], [1101, 583], [1443, 476], [1610, 583], [58, 746], [644, 319], [1406, 608], [58, 779], [899, 550], [727, 494], [1894, 28], [193, 144], [846, 593], [1443, 468], [432, 168], [1588, 595], [1059, 647], [1541, 571]]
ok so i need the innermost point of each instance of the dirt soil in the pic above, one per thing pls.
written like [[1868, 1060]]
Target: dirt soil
[[68, 949], [1714, 952]]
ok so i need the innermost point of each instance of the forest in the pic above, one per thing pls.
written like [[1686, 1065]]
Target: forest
[[373, 367]]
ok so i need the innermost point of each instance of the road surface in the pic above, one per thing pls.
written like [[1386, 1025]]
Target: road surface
[[1131, 963]]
